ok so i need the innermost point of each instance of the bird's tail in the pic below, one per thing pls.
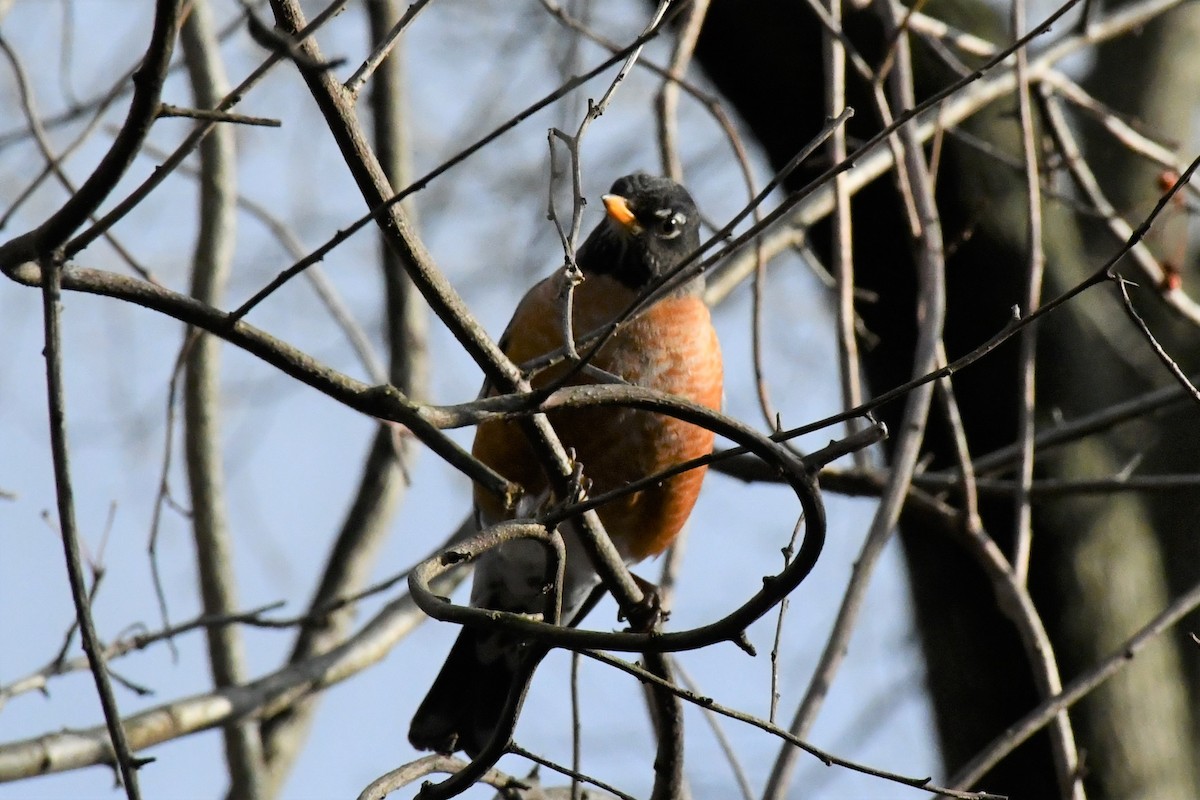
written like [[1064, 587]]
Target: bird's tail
[[466, 703]]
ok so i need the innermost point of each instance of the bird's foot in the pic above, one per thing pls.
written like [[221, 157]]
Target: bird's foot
[[649, 614]]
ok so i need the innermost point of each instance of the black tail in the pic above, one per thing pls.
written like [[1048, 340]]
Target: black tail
[[465, 705]]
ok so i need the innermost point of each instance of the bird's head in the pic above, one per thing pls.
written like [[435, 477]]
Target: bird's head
[[651, 224]]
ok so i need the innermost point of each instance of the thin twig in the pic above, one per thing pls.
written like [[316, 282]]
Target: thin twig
[[516, 749], [164, 170], [381, 486], [930, 313], [1039, 717], [325, 290], [576, 730], [167, 110], [711, 102], [384, 402], [824, 756], [261, 698], [842, 247], [788, 552], [1085, 180], [1124, 129], [1061, 433], [962, 450], [968, 43], [1176, 372], [667, 716], [39, 243], [666, 103], [126, 763], [162, 498], [727, 748], [39, 680], [946, 108], [1027, 357], [55, 161], [380, 209], [363, 74]]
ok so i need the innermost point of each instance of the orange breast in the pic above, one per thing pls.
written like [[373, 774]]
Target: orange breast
[[672, 348]]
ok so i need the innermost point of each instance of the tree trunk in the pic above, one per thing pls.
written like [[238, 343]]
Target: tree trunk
[[1097, 567]]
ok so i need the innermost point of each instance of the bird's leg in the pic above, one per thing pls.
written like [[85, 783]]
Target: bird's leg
[[649, 614], [578, 484]]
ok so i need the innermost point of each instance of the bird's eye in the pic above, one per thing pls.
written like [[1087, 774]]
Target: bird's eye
[[670, 226]]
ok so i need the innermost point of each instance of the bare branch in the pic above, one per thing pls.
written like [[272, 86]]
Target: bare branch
[[386, 43], [260, 698], [1026, 376], [115, 743], [164, 170], [827, 758], [39, 680], [1038, 718], [167, 110], [202, 394], [402, 776], [930, 317], [1172, 367], [381, 487]]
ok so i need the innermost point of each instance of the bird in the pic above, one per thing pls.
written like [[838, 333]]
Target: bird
[[651, 225]]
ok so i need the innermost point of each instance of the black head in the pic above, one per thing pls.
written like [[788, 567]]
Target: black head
[[651, 224]]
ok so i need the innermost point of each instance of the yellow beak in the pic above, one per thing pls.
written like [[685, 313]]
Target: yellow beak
[[618, 209]]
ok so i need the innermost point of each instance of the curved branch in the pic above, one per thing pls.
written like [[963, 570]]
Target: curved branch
[[796, 473], [402, 776]]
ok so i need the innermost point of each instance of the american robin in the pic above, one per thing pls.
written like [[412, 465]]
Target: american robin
[[650, 226]]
